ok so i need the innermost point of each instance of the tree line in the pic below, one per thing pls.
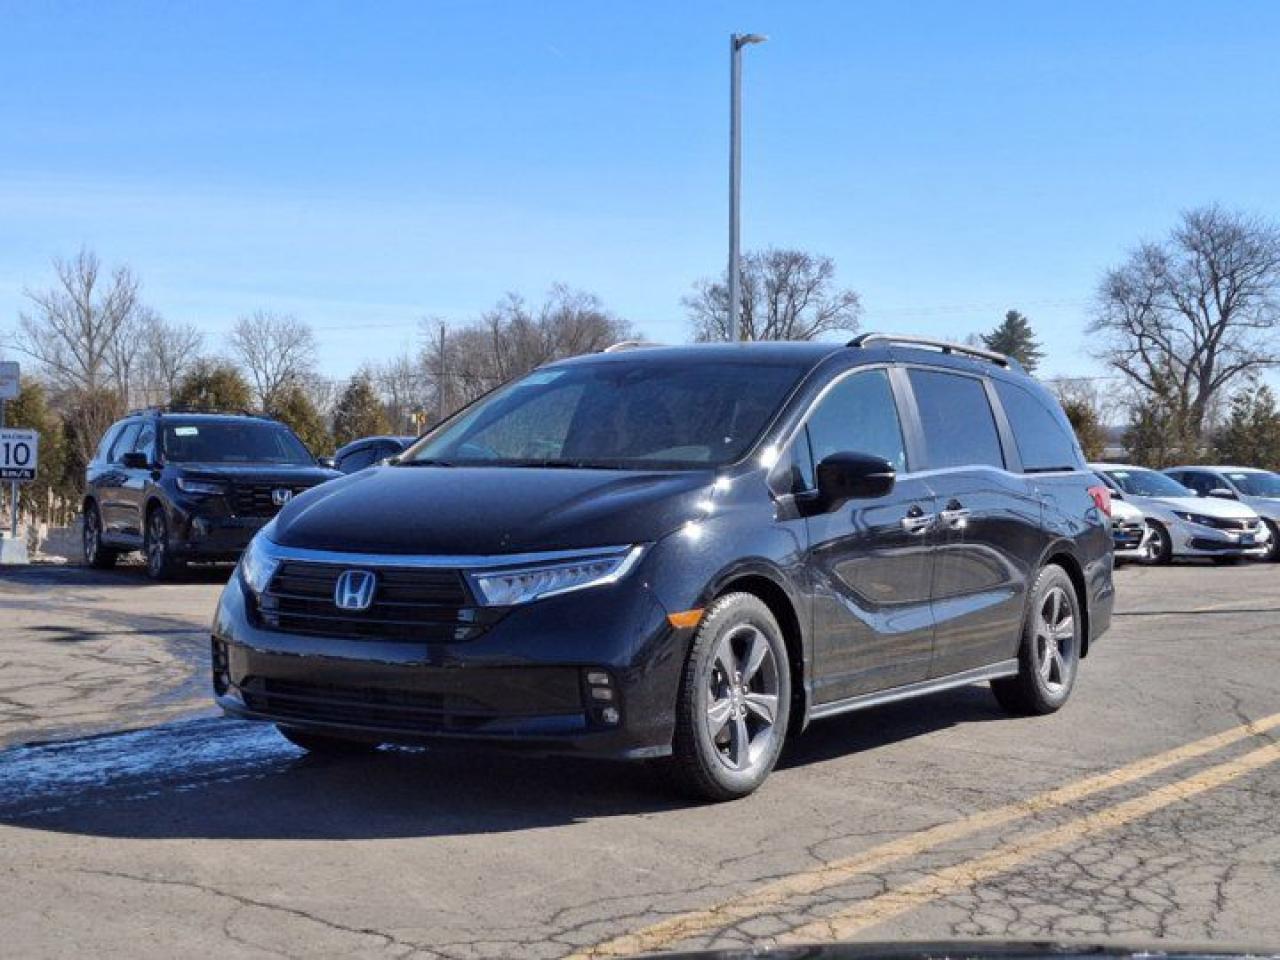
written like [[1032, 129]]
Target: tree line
[[1188, 324]]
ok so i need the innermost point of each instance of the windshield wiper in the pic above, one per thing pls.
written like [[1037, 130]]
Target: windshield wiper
[[424, 463]]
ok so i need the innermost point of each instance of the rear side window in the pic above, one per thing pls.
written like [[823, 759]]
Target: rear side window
[[1043, 435], [959, 427], [358, 459], [104, 447], [859, 415]]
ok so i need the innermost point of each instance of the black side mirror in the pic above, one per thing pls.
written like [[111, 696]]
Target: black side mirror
[[134, 460], [327, 462], [853, 476]]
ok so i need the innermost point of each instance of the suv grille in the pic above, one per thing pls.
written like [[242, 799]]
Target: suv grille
[[409, 603], [255, 499]]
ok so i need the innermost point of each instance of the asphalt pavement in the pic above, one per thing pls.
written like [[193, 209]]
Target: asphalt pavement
[[136, 822]]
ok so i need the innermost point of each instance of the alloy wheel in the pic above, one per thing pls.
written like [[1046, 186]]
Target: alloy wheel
[[157, 542], [1055, 639], [742, 698]]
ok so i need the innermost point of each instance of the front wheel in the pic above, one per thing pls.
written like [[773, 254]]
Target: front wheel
[[1159, 547], [734, 701], [161, 564], [1273, 543], [1049, 656]]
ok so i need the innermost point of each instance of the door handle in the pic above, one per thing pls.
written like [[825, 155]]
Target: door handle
[[917, 521]]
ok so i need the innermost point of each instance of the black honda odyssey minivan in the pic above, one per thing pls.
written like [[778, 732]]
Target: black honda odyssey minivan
[[683, 552]]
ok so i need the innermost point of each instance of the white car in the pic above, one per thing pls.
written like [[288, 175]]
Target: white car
[[1129, 531], [1183, 524]]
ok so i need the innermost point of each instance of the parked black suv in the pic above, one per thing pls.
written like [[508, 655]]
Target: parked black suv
[[683, 552], [189, 486]]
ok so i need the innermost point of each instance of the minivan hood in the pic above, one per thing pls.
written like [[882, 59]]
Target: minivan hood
[[488, 510]]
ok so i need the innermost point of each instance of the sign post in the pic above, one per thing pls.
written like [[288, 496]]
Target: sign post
[[19, 452]]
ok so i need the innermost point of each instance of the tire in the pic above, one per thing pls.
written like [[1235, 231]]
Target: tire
[[95, 554], [1160, 549], [1053, 624], [156, 548], [323, 745], [730, 728], [1273, 545]]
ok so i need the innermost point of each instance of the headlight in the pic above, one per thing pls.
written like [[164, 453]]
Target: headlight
[[257, 565], [502, 588], [1199, 518], [187, 485]]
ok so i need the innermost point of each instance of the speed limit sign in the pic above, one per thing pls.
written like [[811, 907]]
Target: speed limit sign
[[19, 451]]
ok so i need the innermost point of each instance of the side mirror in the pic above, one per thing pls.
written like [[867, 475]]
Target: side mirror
[[1222, 493], [853, 476], [134, 460], [1115, 494], [327, 462]]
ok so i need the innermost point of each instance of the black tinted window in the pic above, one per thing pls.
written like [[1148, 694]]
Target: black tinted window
[[1200, 482], [246, 441], [858, 415], [637, 414], [104, 446], [146, 442], [959, 428], [1043, 435]]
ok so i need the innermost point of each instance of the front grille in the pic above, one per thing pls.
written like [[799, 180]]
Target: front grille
[[409, 603], [257, 499], [457, 704], [1244, 525]]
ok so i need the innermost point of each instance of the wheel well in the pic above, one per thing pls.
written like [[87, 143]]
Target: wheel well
[[779, 604], [1072, 568]]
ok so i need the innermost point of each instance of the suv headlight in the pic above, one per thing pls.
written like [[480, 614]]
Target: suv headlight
[[257, 564], [188, 485], [504, 588]]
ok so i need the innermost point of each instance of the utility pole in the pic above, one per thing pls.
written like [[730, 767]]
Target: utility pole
[[736, 42]]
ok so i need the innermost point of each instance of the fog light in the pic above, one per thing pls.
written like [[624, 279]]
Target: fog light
[[221, 670], [597, 678], [599, 691], [610, 715]]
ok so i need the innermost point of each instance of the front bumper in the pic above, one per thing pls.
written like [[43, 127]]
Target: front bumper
[[524, 681], [1131, 541], [1196, 540], [198, 537]]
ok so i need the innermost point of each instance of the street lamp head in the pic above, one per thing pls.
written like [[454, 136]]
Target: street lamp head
[[740, 40]]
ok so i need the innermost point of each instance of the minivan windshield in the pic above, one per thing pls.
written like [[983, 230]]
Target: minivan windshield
[[1148, 483], [247, 441], [626, 414]]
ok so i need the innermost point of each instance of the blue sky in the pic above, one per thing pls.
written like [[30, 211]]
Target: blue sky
[[365, 165]]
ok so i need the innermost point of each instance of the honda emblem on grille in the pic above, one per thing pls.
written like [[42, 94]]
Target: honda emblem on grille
[[281, 495], [354, 590]]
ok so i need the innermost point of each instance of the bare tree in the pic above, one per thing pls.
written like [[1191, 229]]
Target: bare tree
[[786, 295], [80, 330], [511, 339], [405, 391], [1186, 318], [169, 351], [276, 349]]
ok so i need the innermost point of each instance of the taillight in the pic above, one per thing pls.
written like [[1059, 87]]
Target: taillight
[[1101, 498]]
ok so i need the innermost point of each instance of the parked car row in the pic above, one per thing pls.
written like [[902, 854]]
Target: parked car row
[[1223, 513]]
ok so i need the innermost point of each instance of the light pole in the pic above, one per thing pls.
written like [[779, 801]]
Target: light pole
[[736, 42]]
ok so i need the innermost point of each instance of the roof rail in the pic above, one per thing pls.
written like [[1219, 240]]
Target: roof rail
[[630, 345], [178, 408], [945, 346]]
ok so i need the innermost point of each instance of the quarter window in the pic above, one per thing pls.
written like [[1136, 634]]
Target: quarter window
[[124, 442], [1044, 436], [959, 428], [858, 415]]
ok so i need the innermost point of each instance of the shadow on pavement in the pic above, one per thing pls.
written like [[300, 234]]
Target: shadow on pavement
[[223, 779]]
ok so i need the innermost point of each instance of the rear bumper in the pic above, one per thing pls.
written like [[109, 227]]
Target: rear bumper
[[526, 681]]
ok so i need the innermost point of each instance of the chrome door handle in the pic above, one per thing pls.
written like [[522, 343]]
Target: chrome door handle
[[918, 523], [956, 519]]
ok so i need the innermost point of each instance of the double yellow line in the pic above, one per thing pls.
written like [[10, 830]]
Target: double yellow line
[[892, 903]]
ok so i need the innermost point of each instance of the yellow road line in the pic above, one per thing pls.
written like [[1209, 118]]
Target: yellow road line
[[691, 924], [963, 876]]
